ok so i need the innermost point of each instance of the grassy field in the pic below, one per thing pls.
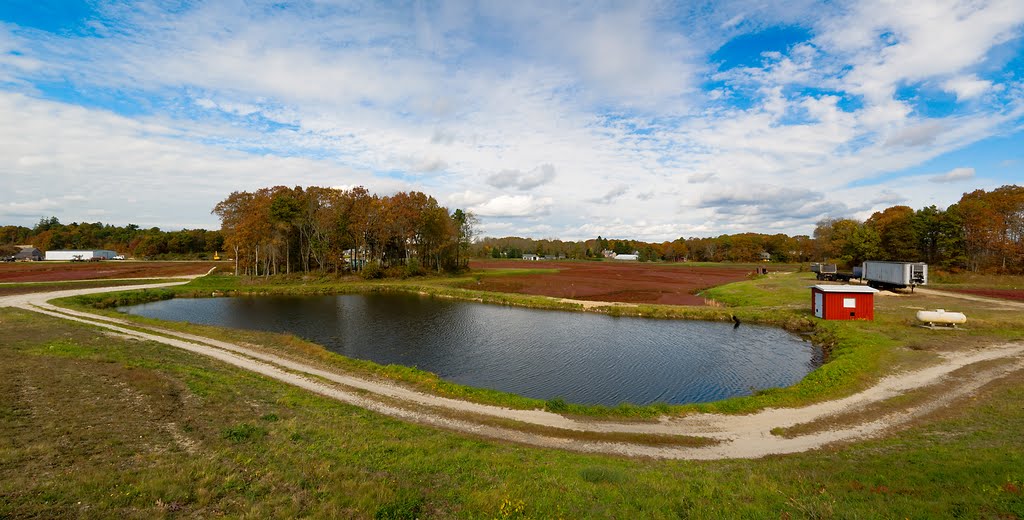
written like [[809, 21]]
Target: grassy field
[[95, 425]]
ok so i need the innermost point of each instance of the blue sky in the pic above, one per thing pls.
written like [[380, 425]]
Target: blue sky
[[546, 119]]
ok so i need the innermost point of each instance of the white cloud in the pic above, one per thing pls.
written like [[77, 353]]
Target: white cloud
[[513, 206], [538, 176], [954, 175], [894, 43], [967, 87]]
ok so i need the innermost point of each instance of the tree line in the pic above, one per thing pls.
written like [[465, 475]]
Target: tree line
[[982, 232], [742, 247], [281, 229], [131, 240]]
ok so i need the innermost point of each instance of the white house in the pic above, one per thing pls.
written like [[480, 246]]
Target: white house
[[80, 254], [531, 257]]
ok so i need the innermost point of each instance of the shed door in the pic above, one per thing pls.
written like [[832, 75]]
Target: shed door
[[818, 305]]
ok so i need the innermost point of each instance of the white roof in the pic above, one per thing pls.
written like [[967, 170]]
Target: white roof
[[846, 288]]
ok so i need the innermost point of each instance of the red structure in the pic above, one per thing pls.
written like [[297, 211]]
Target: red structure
[[843, 302]]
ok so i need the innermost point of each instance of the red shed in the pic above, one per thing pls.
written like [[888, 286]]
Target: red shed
[[843, 302]]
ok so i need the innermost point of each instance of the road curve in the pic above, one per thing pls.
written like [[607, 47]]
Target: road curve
[[731, 436]]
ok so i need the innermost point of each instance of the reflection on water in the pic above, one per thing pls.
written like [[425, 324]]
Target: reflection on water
[[579, 357]]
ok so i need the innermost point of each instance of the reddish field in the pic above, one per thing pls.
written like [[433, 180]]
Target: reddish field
[[610, 281], [1006, 294], [63, 271]]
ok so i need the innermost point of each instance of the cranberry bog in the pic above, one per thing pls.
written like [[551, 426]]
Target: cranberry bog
[[1005, 294], [610, 281], [22, 272]]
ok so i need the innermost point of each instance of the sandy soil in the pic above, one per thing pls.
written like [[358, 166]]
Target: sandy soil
[[741, 436], [22, 272], [609, 281]]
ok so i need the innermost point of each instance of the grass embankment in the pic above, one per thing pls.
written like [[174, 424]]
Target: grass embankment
[[93, 425], [858, 353], [10, 289]]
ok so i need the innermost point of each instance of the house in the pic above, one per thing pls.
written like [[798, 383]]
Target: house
[[28, 253], [765, 256], [81, 254], [531, 256], [843, 302]]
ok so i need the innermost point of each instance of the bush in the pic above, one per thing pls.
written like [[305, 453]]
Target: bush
[[372, 271], [413, 268]]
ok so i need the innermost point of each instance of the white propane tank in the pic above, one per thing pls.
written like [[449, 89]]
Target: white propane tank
[[941, 317]]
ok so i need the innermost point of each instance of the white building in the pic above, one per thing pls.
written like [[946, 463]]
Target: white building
[[627, 257], [80, 254]]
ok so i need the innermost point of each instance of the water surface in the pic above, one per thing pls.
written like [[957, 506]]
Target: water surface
[[579, 357]]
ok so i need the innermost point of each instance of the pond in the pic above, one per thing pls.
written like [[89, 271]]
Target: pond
[[579, 357]]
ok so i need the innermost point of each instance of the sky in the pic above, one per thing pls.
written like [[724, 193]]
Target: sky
[[641, 120]]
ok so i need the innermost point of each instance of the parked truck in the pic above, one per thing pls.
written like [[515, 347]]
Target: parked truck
[[824, 271], [895, 275]]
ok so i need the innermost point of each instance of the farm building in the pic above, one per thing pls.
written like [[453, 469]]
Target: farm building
[[627, 257], [80, 254], [843, 302], [27, 253], [531, 256]]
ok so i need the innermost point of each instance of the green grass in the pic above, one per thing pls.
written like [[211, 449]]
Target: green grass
[[98, 426]]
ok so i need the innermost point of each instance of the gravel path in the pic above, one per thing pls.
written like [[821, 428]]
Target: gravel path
[[735, 436]]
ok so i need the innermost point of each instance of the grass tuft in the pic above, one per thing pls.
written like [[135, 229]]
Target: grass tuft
[[245, 432]]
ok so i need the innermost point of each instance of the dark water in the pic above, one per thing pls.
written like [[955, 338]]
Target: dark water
[[582, 358]]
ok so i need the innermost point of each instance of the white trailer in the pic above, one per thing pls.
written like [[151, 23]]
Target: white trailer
[[80, 254], [895, 275], [824, 271]]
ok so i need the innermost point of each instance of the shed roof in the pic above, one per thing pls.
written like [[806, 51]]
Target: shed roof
[[845, 288]]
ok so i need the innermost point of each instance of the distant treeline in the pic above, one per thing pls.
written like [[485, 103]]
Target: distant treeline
[[981, 232], [743, 247], [281, 229], [49, 234], [984, 231]]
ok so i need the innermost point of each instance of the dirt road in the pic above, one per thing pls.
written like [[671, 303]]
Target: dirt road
[[740, 436]]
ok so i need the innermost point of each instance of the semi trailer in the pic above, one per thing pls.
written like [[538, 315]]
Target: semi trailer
[[894, 275], [824, 271]]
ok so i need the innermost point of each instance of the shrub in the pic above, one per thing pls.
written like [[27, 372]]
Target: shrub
[[372, 271]]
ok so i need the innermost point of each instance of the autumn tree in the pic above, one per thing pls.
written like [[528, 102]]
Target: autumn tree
[[897, 234]]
